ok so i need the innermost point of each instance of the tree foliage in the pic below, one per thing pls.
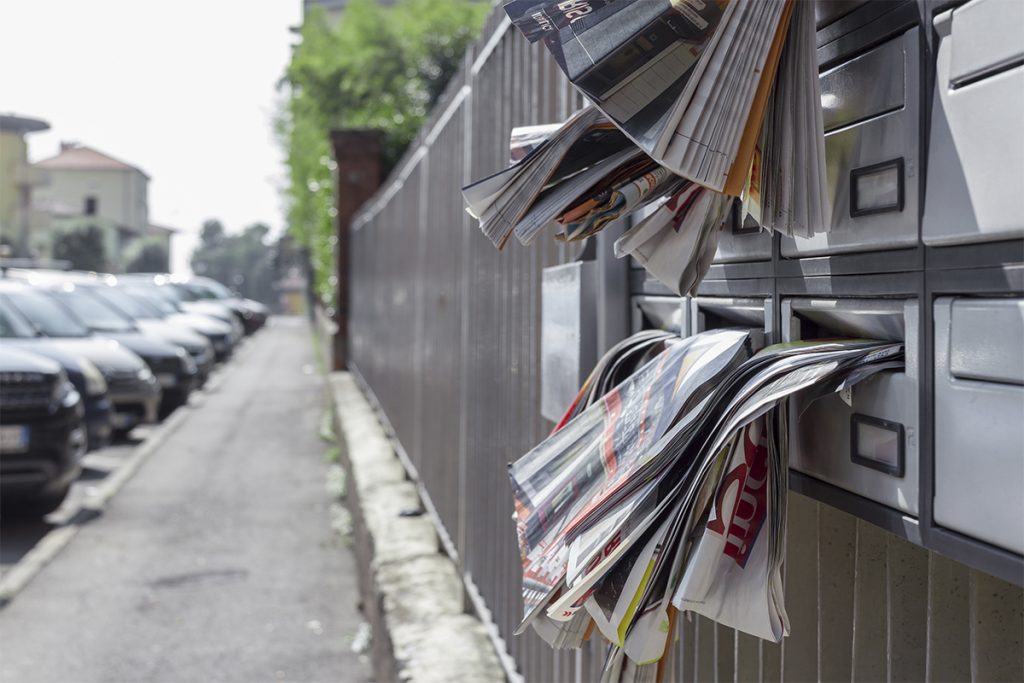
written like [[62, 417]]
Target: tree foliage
[[151, 258], [244, 261], [380, 67], [83, 247]]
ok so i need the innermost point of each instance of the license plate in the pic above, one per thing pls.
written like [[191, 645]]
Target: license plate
[[14, 439], [167, 379]]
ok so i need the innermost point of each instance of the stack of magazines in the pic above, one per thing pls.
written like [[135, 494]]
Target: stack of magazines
[[693, 103], [668, 492]]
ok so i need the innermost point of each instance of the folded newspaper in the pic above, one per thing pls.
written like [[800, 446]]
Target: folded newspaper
[[693, 103], [666, 492]]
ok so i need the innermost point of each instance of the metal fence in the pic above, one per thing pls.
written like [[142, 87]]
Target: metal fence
[[445, 336]]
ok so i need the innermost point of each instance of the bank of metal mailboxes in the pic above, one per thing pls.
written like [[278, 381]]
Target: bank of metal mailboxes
[[871, 108], [864, 441], [568, 334], [979, 418], [713, 313], [669, 313], [976, 159]]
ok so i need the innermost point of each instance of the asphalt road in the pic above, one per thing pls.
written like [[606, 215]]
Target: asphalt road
[[217, 561]]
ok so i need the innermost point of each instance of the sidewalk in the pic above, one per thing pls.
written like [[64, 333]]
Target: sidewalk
[[217, 562]]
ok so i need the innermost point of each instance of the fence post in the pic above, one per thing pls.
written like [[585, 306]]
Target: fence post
[[358, 155]]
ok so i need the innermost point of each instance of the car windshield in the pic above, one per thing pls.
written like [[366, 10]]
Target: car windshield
[[94, 312], [181, 292], [207, 289], [149, 297], [127, 305], [46, 315], [12, 324]]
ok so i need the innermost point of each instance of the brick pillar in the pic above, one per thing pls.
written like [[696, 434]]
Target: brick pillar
[[358, 155]]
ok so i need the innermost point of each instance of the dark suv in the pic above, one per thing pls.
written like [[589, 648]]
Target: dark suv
[[42, 438], [18, 333]]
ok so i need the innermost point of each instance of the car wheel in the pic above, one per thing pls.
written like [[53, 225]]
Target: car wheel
[[37, 506]]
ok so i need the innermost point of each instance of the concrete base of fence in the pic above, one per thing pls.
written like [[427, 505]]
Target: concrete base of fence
[[411, 592]]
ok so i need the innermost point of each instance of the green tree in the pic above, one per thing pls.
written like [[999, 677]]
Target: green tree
[[382, 68], [243, 261], [152, 258], [83, 247]]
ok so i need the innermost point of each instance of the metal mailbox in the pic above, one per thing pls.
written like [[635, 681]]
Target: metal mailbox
[[976, 161], [669, 313], [829, 11], [742, 241], [865, 442], [979, 419], [871, 108], [713, 313], [568, 334]]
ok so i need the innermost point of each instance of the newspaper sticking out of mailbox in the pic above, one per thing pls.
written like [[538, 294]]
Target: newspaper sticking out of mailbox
[[692, 104], [668, 492]]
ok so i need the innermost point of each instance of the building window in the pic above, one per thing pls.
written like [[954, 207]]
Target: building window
[[90, 205]]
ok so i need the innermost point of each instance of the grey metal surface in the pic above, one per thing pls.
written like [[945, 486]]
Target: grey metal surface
[[974, 170], [755, 314], [821, 432], [568, 334], [660, 313], [979, 463], [876, 103]]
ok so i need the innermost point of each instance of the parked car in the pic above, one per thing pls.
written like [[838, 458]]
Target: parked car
[[186, 301], [42, 437], [18, 333], [150, 304], [251, 313], [172, 365], [133, 390], [197, 345]]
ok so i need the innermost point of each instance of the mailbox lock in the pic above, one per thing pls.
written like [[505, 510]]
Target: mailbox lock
[[877, 443], [877, 188]]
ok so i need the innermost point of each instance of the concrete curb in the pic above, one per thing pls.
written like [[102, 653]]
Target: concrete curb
[[411, 591]]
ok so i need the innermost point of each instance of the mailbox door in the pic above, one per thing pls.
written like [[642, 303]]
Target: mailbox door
[[865, 442], [669, 313], [742, 240], [568, 334], [871, 110], [979, 419], [976, 159], [713, 313]]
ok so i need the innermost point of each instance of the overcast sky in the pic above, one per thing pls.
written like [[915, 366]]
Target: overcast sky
[[185, 90]]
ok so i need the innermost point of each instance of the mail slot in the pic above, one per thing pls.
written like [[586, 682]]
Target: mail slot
[[714, 313], [568, 334], [976, 161], [871, 109], [667, 313], [742, 239], [864, 441], [979, 419]]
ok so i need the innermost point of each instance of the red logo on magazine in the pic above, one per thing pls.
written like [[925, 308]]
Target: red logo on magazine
[[749, 479]]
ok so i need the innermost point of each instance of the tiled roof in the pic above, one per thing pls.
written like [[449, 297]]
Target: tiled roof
[[83, 158]]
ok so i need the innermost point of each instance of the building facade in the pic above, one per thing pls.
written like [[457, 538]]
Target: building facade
[[19, 223], [88, 188]]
